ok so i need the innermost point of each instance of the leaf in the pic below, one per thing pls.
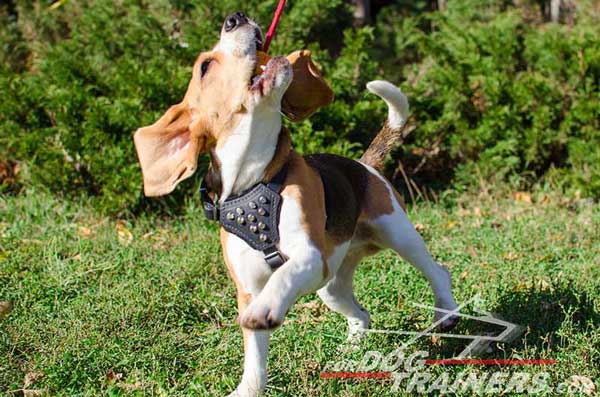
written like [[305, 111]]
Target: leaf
[[523, 197], [146, 236], [472, 251], [27, 392], [129, 386], [112, 377], [56, 4], [511, 256], [5, 308], [123, 234], [84, 231], [32, 377], [545, 199]]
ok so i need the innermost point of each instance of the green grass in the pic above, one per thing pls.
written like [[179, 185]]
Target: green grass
[[99, 311]]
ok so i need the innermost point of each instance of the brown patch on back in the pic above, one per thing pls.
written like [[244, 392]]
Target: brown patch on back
[[351, 191], [379, 201]]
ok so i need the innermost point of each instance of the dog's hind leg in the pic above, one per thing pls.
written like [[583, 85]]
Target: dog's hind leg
[[400, 235], [338, 295], [395, 231]]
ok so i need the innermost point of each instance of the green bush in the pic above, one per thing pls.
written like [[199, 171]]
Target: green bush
[[495, 96]]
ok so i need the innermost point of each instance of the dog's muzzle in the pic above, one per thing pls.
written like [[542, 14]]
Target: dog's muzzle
[[234, 21]]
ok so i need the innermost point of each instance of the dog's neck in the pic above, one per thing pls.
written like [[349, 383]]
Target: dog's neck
[[253, 153]]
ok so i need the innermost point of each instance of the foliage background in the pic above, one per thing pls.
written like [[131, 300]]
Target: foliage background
[[499, 94], [92, 304]]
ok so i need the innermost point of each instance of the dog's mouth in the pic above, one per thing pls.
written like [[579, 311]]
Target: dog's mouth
[[259, 80], [272, 75]]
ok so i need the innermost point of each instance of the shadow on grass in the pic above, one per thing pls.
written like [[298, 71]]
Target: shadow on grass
[[540, 313]]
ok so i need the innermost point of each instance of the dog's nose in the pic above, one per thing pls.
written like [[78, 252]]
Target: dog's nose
[[234, 20]]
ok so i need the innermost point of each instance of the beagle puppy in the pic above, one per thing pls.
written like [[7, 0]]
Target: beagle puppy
[[333, 212]]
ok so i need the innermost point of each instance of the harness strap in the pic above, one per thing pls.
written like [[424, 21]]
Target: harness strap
[[211, 211], [272, 255]]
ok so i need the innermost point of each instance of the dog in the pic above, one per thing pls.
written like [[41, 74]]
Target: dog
[[333, 211]]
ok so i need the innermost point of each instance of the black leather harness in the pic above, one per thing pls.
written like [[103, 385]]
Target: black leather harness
[[252, 215]]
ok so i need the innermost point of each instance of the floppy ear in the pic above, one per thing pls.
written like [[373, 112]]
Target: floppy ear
[[308, 92], [168, 150]]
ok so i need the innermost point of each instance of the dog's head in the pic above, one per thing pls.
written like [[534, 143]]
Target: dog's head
[[224, 92]]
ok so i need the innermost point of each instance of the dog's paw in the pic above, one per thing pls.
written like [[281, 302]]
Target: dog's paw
[[448, 324], [260, 315]]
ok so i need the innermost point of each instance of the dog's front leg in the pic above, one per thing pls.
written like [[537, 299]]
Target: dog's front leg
[[256, 348], [249, 281], [301, 274], [254, 379]]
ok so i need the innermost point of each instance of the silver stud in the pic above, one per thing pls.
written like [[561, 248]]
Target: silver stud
[[252, 205], [262, 211], [239, 211], [262, 226], [263, 200], [241, 220], [253, 228], [230, 216], [251, 217], [263, 237]]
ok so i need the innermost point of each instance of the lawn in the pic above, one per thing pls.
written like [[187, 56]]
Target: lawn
[[145, 306]]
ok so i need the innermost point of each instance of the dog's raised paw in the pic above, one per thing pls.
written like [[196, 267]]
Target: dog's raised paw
[[260, 316]]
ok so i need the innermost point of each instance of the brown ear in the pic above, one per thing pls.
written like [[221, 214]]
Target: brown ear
[[168, 150], [308, 91]]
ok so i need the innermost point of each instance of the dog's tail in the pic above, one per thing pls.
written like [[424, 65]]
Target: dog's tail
[[391, 133]]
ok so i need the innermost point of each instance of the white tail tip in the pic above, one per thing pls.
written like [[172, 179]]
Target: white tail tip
[[394, 98]]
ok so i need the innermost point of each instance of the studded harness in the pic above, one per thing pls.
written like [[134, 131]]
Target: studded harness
[[252, 215]]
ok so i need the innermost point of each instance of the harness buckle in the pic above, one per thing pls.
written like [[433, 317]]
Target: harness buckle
[[274, 258]]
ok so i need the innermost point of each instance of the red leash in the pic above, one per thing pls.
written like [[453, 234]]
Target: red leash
[[273, 26]]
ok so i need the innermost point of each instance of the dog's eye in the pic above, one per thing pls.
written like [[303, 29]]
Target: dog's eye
[[204, 67]]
